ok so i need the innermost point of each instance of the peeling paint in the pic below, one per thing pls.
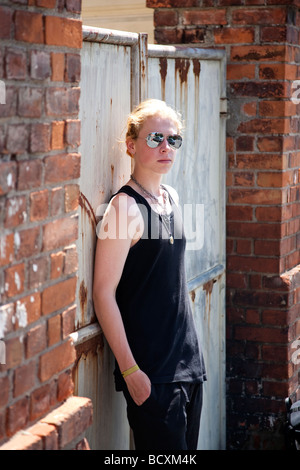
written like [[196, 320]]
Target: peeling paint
[[17, 281], [9, 180], [17, 240], [21, 314]]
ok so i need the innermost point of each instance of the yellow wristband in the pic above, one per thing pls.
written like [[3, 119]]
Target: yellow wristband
[[130, 371]]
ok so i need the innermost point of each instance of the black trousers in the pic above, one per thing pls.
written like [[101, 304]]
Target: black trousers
[[169, 419]]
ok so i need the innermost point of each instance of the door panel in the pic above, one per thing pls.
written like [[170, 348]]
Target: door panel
[[118, 70]]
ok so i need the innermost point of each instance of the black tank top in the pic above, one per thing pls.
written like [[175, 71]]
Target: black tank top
[[153, 299]]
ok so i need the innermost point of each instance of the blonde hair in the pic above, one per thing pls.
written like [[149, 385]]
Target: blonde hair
[[147, 109]]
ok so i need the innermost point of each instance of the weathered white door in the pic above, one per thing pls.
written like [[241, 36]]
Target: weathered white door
[[118, 70], [192, 80]]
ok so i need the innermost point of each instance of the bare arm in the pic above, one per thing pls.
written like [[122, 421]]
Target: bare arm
[[111, 253]]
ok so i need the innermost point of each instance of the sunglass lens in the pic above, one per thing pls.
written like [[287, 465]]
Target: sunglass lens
[[175, 141], [154, 139]]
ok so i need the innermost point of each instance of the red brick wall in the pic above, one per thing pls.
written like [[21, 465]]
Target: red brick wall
[[263, 212], [39, 170]]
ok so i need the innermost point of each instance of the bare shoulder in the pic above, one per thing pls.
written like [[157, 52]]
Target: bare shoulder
[[122, 219], [173, 193]]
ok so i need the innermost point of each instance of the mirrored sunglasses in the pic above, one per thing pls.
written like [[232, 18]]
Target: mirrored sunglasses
[[154, 139]]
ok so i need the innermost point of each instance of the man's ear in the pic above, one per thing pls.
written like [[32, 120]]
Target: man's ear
[[130, 144]]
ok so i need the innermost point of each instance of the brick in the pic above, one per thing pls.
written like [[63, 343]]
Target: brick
[[250, 264], [68, 321], [62, 167], [40, 402], [71, 197], [188, 36], [47, 433], [73, 68], [268, 214], [40, 137], [239, 213], [205, 17], [63, 32], [57, 138], [244, 247], [58, 66], [254, 230], [58, 296], [24, 378], [59, 233], [259, 89], [249, 109], [30, 102], [6, 249], [9, 109], [245, 143], [46, 3], [4, 387], [30, 306], [72, 418], [72, 132], [27, 243], [16, 64], [23, 441], [57, 264], [7, 316], [272, 71], [15, 211], [71, 260], [266, 247], [168, 36], [40, 65], [65, 386], [277, 108], [258, 53], [39, 202], [38, 272], [255, 160], [234, 35], [36, 340], [274, 180], [61, 101], [30, 174], [14, 280], [170, 3], [17, 416], [273, 33], [8, 173], [57, 201], [29, 27], [14, 352], [244, 178], [56, 360], [269, 144], [165, 18], [259, 16], [17, 138], [73, 6], [255, 196], [5, 22], [54, 330], [266, 126], [266, 299]]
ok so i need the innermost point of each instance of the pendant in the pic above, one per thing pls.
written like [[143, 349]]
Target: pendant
[[171, 240]]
